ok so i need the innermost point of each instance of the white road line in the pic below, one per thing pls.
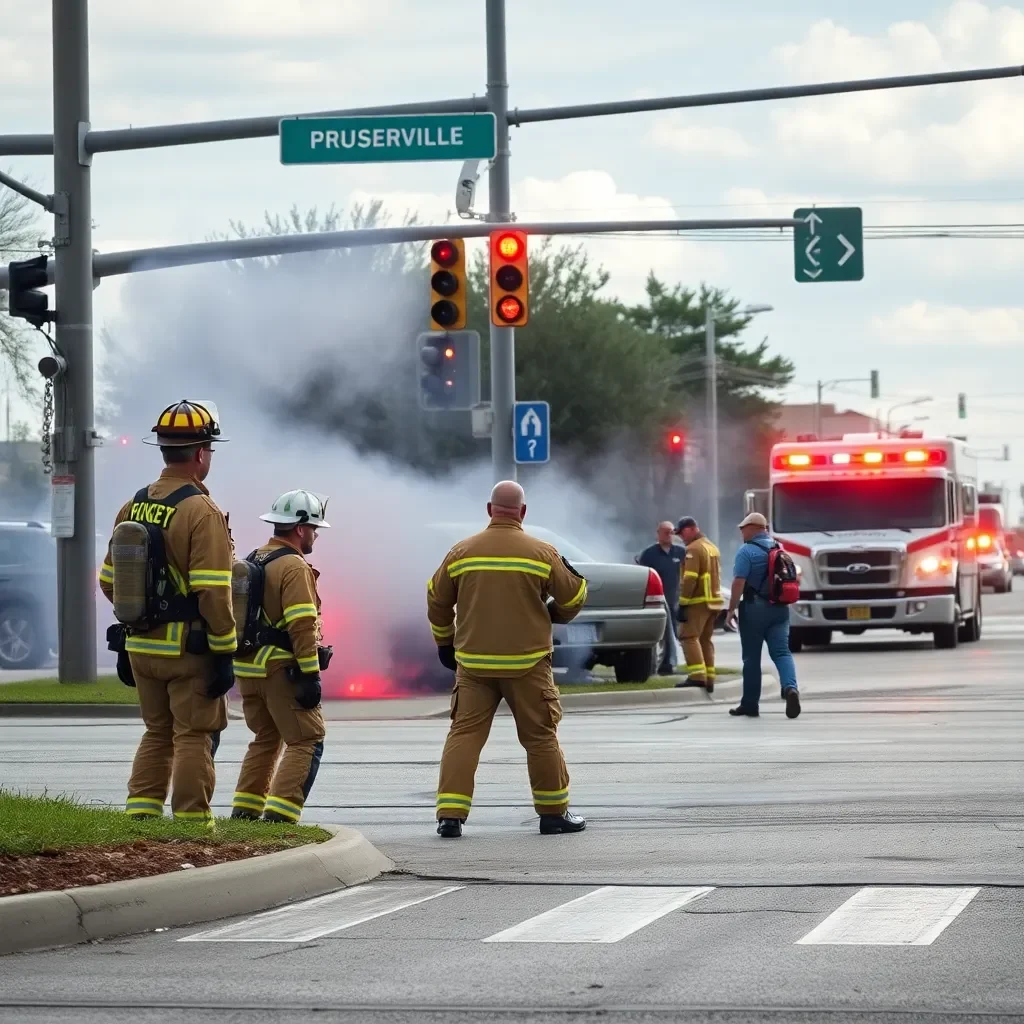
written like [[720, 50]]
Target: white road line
[[604, 915], [891, 916], [312, 919]]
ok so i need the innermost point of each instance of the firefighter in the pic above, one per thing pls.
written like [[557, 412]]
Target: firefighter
[[178, 656], [280, 682], [509, 588], [700, 601]]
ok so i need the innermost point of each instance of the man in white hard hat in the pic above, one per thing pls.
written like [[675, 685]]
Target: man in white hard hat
[[280, 681]]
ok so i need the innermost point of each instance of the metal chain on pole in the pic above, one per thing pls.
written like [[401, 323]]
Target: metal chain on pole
[[47, 442]]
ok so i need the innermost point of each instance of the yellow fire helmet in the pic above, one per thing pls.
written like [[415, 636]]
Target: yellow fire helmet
[[186, 423]]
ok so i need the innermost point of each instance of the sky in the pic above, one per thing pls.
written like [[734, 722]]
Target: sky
[[934, 316]]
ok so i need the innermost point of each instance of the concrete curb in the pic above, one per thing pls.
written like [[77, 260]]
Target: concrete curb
[[48, 919]]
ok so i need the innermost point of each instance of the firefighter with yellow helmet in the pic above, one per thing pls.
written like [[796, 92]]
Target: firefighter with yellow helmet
[[279, 662], [168, 576]]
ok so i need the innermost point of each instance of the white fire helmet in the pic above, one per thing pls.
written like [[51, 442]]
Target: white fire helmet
[[298, 508]]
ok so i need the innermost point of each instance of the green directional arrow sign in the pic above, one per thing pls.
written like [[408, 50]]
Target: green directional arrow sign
[[378, 139], [828, 245]]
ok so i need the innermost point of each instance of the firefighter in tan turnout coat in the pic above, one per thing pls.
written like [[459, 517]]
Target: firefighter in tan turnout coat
[[491, 604], [280, 680], [700, 601], [175, 647]]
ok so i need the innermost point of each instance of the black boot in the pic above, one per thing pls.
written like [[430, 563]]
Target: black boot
[[792, 702], [449, 828], [242, 815], [553, 824], [691, 684], [741, 710], [279, 818]]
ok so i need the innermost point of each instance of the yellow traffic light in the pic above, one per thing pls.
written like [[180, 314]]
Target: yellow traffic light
[[510, 279], [448, 285]]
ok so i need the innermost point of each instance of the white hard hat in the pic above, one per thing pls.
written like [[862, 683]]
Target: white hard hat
[[298, 508]]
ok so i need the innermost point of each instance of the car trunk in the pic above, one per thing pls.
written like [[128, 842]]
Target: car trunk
[[614, 586]]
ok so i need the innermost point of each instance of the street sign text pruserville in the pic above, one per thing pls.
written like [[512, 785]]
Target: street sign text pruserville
[[388, 139]]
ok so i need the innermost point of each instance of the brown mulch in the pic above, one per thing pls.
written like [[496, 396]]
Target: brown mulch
[[92, 865]]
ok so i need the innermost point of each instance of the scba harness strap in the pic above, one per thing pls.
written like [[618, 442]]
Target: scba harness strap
[[256, 633], [165, 601]]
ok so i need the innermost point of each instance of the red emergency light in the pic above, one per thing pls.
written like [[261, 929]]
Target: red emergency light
[[871, 457]]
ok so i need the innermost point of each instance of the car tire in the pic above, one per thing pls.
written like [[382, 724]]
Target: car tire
[[635, 666], [21, 638], [947, 637]]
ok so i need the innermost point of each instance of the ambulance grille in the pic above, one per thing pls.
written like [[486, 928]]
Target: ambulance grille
[[879, 567]]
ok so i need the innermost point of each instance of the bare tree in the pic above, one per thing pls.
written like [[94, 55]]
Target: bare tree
[[19, 233]]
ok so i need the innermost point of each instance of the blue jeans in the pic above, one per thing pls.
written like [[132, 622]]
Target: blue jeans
[[761, 622]]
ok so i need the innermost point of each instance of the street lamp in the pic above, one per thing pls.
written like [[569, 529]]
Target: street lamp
[[904, 405], [711, 315]]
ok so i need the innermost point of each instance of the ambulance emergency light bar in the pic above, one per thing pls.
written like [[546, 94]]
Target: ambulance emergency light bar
[[815, 460]]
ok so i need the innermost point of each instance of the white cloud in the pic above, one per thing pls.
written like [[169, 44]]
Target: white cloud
[[933, 324], [700, 140], [905, 135]]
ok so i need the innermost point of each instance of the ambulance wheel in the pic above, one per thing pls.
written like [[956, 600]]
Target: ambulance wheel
[[21, 639], [970, 631], [635, 666], [947, 637], [796, 640]]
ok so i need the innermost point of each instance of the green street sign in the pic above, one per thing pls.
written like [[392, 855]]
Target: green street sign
[[828, 245], [388, 139]]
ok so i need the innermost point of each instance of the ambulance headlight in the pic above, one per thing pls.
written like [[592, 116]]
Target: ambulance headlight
[[932, 565]]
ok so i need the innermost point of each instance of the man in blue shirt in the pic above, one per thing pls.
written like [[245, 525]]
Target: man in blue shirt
[[664, 558], [760, 621]]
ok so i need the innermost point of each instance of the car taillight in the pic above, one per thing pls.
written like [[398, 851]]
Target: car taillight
[[655, 591]]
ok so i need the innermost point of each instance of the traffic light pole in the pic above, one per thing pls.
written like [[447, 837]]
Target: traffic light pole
[[73, 410], [503, 344], [711, 364]]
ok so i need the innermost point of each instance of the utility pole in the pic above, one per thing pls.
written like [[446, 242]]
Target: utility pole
[[711, 370], [503, 345], [74, 437]]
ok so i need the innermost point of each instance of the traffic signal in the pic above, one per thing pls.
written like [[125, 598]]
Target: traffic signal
[[676, 444], [449, 370], [510, 279], [961, 406], [875, 392], [448, 285], [24, 300]]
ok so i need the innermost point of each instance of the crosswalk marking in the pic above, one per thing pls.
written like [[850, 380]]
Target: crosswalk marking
[[312, 919], [608, 914], [891, 916]]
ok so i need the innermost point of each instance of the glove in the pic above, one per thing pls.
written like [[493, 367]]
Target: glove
[[324, 655], [223, 676], [307, 689], [446, 655], [681, 613], [124, 669]]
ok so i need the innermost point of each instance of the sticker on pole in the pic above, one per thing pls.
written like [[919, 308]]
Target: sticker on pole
[[62, 507]]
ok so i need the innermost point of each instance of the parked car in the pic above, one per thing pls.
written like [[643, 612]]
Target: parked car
[[28, 595], [622, 624]]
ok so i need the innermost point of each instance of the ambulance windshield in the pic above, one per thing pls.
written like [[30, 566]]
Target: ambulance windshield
[[836, 505]]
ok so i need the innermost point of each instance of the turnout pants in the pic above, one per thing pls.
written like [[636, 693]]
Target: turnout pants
[[533, 700], [269, 783], [698, 647], [183, 728]]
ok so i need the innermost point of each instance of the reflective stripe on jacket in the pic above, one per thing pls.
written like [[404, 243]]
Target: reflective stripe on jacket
[[701, 574], [501, 580]]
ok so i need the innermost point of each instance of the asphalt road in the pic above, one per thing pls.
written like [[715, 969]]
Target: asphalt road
[[862, 863]]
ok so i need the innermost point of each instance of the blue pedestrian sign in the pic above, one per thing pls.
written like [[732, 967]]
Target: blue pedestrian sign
[[531, 426]]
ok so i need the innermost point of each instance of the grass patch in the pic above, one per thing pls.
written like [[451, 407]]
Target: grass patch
[[654, 683], [30, 825], [106, 690]]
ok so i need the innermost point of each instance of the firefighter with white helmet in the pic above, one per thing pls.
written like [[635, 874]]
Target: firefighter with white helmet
[[168, 576], [279, 662]]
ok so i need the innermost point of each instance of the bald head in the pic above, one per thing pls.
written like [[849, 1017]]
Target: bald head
[[508, 501]]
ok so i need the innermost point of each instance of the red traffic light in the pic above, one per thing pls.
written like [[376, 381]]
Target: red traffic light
[[509, 309], [444, 253], [509, 247], [676, 441]]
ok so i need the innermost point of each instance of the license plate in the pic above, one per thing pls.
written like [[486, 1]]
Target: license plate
[[858, 613], [581, 635]]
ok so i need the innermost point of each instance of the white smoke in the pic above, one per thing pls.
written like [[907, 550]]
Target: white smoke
[[279, 349]]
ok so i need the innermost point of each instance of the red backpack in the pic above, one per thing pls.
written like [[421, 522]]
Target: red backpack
[[781, 585]]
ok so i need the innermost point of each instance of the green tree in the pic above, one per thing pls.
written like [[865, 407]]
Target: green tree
[[19, 233]]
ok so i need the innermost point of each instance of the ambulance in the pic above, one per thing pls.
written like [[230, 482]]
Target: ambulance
[[883, 530]]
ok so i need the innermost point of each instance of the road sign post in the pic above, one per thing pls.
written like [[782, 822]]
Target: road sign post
[[828, 245], [394, 138], [531, 425]]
